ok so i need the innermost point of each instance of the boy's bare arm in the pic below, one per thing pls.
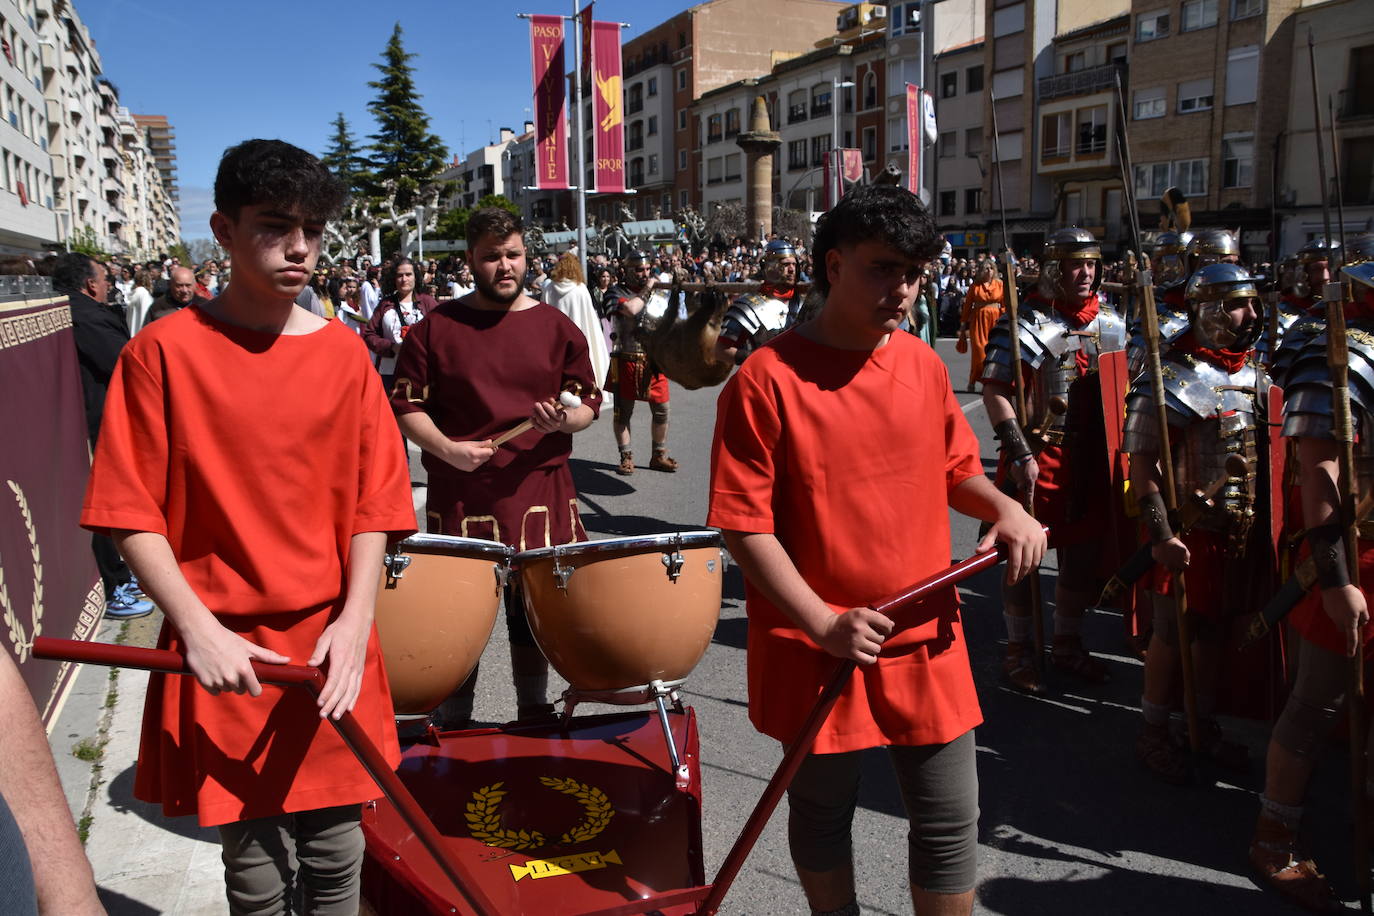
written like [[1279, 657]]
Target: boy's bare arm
[[1011, 524], [419, 427], [28, 781], [220, 659], [344, 642], [856, 634], [1344, 603]]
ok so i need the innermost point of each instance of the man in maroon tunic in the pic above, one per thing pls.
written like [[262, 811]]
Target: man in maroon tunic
[[472, 369]]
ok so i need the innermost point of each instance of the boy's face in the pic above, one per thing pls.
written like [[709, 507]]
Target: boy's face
[[871, 285], [275, 251], [499, 266]]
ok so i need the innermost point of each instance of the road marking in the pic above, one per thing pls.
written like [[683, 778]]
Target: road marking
[[972, 405]]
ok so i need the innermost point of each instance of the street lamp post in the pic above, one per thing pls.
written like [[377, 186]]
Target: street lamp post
[[836, 84]]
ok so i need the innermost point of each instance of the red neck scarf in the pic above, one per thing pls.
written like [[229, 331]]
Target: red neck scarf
[[1229, 360], [785, 293], [1081, 313]]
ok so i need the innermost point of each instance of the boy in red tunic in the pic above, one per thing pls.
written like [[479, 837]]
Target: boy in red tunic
[[839, 449], [248, 471], [472, 369]]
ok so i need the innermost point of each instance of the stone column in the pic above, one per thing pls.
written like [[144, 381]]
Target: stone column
[[759, 143]]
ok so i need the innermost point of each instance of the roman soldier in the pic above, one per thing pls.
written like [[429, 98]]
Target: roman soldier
[[1332, 620], [637, 306], [755, 318], [1170, 262], [1060, 456], [1215, 394], [1313, 273]]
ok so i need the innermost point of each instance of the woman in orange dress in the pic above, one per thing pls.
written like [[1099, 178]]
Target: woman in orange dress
[[982, 308]]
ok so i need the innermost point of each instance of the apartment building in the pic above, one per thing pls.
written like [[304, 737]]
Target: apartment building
[[480, 173], [1343, 35], [1209, 94], [152, 223], [960, 153], [28, 217], [162, 142]]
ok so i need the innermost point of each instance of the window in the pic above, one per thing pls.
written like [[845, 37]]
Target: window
[[635, 103], [651, 127], [1076, 61], [796, 106], [1195, 95], [973, 79], [1010, 145], [653, 163], [870, 143], [667, 199], [1009, 20], [732, 123], [870, 90], [682, 78], [682, 160], [682, 119], [651, 89], [1054, 131], [973, 141], [1116, 53], [820, 100], [1242, 75], [1148, 103], [896, 134], [1092, 131], [1007, 84], [1149, 26], [636, 172], [1357, 169], [1191, 176], [1237, 160], [906, 18], [949, 85], [732, 166], [949, 203], [715, 170], [819, 147], [683, 200], [1198, 14], [1152, 179], [796, 155], [1243, 9], [635, 138], [973, 200], [714, 131]]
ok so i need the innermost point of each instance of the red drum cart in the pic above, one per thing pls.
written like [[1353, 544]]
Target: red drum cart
[[589, 814]]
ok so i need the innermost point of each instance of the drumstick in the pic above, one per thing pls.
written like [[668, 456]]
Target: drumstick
[[565, 398]]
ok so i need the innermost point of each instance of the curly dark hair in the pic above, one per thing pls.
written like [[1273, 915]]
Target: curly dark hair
[[883, 213], [72, 270], [277, 173], [495, 221]]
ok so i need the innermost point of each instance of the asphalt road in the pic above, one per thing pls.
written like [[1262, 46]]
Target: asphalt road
[[1070, 823]]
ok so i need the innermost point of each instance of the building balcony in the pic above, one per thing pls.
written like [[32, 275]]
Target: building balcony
[[53, 109], [1080, 82], [1351, 105], [821, 109], [47, 56]]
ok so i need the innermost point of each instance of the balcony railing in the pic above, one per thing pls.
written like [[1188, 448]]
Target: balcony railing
[[1080, 82], [796, 113], [820, 109], [635, 106]]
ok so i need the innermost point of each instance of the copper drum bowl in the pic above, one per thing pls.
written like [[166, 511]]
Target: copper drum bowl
[[436, 605], [615, 614]]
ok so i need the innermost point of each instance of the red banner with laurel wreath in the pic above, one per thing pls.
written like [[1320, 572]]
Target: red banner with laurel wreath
[[48, 581], [608, 129], [550, 103]]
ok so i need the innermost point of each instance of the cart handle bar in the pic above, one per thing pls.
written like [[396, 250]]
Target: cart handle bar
[[165, 661], [801, 745]]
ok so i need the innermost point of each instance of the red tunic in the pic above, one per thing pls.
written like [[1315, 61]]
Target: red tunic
[[477, 374], [259, 456], [848, 458]]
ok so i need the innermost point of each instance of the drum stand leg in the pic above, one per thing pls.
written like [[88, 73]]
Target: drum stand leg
[[660, 695], [657, 692]]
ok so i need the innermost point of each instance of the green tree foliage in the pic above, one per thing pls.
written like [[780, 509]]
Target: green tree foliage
[[453, 224], [344, 158], [84, 240], [404, 153]]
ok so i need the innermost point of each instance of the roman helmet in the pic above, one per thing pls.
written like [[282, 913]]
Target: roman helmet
[[1170, 258], [1211, 246], [1319, 249], [1210, 293], [778, 250], [1064, 244]]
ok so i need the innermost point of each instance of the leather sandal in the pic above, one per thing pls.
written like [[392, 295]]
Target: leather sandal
[[1158, 753], [1018, 666], [661, 462], [1275, 855], [627, 464], [1070, 657]]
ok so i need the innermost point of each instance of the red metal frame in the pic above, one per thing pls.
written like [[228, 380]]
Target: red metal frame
[[711, 895]]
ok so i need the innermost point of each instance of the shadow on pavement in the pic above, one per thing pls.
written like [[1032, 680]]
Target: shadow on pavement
[[121, 795], [116, 904], [598, 478]]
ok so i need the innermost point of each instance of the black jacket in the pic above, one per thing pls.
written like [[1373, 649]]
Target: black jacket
[[100, 333]]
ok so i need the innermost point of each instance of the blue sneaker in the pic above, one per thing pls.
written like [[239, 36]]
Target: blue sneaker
[[133, 588], [123, 605]]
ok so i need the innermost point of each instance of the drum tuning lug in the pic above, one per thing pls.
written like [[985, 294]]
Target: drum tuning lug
[[502, 574], [673, 563], [561, 573], [396, 564]]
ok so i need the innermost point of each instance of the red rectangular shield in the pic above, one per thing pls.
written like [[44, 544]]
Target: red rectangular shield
[[550, 103], [608, 131]]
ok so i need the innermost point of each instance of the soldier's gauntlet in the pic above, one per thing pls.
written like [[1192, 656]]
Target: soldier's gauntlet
[[1156, 517], [1327, 543], [1013, 440]]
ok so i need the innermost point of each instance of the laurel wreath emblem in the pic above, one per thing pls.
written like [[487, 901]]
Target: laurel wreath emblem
[[23, 639], [484, 816]]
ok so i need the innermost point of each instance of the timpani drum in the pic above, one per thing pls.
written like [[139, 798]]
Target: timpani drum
[[436, 605], [623, 613]]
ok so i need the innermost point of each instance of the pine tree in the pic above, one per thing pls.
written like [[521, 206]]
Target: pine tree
[[344, 158], [405, 153]]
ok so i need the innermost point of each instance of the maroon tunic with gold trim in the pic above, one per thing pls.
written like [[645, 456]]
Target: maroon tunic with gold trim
[[478, 373]]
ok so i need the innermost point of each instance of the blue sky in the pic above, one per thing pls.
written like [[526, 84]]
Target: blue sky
[[253, 68]]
